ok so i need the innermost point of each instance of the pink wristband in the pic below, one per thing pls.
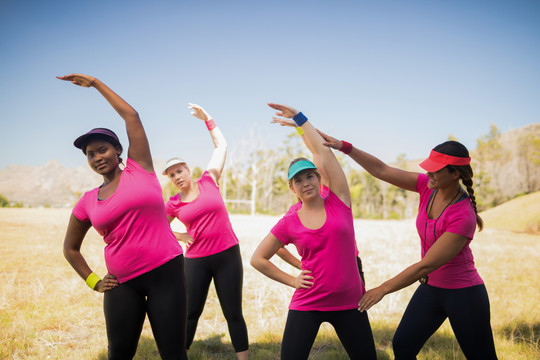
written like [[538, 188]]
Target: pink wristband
[[346, 147], [210, 124]]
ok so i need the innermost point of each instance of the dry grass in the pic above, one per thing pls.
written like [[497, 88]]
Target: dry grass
[[521, 214], [47, 312]]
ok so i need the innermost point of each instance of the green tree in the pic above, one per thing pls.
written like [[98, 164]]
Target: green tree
[[4, 202], [529, 154], [489, 160]]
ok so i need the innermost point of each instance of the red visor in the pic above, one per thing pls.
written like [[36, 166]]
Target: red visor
[[436, 161]]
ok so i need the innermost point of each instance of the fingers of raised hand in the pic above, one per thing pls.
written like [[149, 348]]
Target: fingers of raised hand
[[283, 122], [275, 106], [324, 136], [78, 79], [198, 111]]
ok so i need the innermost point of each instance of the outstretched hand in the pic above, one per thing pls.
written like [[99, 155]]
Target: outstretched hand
[[330, 141], [79, 79], [283, 122], [199, 112], [370, 298], [303, 281], [284, 110]]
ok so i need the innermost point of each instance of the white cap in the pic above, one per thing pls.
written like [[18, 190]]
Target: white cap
[[172, 162]]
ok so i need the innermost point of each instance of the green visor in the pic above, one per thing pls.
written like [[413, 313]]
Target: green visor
[[299, 166]]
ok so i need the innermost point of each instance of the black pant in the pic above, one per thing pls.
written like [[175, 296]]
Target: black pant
[[469, 315], [160, 293], [360, 270], [226, 269], [352, 328]]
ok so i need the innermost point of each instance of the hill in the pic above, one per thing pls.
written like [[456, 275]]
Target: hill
[[51, 184], [521, 214], [505, 165]]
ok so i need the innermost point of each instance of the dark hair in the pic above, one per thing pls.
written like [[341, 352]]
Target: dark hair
[[105, 138], [466, 174]]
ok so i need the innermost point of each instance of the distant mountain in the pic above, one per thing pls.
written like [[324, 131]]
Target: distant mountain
[[505, 165], [51, 184]]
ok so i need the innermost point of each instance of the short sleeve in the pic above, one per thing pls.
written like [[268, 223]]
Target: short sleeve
[[421, 184], [79, 211], [170, 207], [463, 223], [294, 208], [207, 179], [280, 230]]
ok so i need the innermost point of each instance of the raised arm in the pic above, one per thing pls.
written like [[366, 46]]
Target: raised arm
[[398, 177], [139, 149], [217, 161], [337, 182], [316, 157], [447, 246]]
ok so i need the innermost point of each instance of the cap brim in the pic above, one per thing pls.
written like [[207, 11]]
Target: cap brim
[[172, 164], [83, 139], [431, 166], [78, 143], [300, 169]]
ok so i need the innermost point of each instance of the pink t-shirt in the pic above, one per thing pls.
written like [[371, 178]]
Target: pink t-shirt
[[328, 252], [458, 218], [324, 193], [133, 224], [206, 219]]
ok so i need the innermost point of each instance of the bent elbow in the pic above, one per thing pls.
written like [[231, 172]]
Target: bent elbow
[[426, 268], [256, 262], [253, 261], [67, 253]]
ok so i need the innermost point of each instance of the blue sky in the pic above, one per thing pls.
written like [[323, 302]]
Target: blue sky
[[391, 77]]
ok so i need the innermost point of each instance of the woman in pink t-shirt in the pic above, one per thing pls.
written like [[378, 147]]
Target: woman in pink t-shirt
[[282, 252], [144, 261], [212, 246], [450, 285], [329, 286]]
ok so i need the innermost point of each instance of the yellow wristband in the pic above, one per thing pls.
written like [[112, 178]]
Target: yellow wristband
[[92, 280], [300, 131]]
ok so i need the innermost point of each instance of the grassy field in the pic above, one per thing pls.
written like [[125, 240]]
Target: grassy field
[[47, 312], [521, 214]]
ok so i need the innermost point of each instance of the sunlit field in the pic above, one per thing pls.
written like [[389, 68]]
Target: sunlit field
[[48, 312]]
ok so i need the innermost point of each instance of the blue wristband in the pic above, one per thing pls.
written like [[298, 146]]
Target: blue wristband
[[299, 119]]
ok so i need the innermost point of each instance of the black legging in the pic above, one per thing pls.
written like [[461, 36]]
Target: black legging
[[352, 328], [226, 269], [469, 315], [360, 269], [160, 293]]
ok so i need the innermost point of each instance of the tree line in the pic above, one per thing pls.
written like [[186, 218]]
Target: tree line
[[505, 166]]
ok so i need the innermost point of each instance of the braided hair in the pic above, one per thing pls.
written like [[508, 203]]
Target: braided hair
[[455, 148]]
